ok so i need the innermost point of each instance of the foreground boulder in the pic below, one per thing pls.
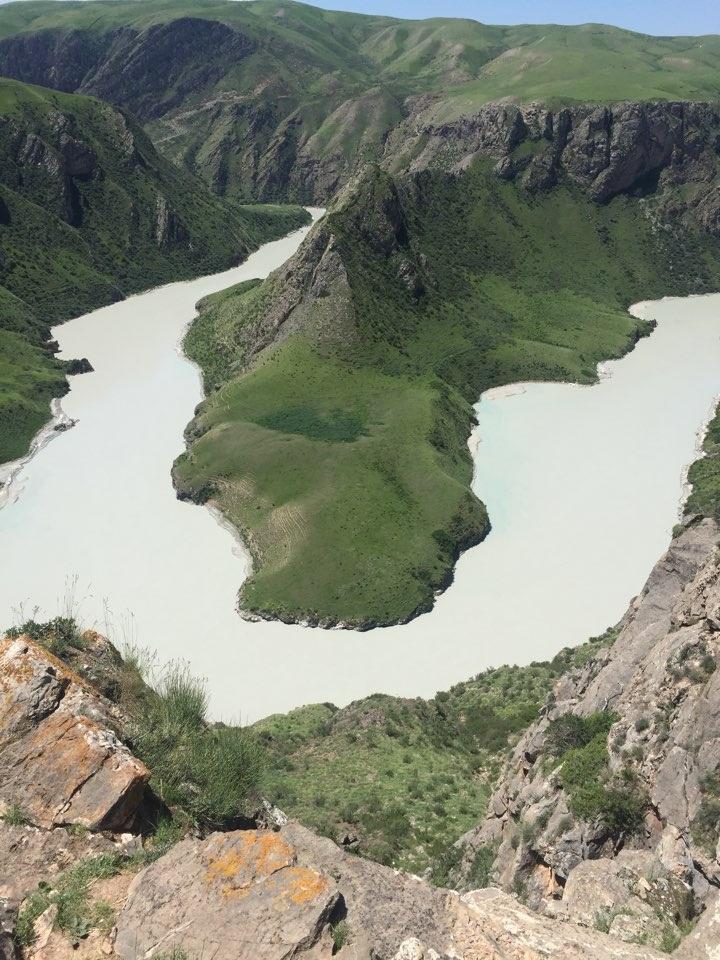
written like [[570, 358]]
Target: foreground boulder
[[263, 895], [61, 761]]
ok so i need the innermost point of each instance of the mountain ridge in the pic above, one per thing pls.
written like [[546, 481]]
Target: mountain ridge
[[315, 74], [90, 213]]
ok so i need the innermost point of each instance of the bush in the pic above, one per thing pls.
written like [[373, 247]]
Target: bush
[[209, 772], [582, 766], [15, 816], [618, 804], [480, 871], [444, 864], [340, 935], [706, 825], [56, 635], [622, 810], [570, 731]]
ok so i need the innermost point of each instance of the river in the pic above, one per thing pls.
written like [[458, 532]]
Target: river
[[583, 486]]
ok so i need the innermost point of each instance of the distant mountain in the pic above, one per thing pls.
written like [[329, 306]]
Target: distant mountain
[[89, 212], [272, 99]]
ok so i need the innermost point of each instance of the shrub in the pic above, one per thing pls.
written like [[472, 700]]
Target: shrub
[[480, 871], [445, 863], [584, 776], [706, 825], [622, 810], [210, 772], [570, 731], [15, 816], [56, 635], [583, 765], [340, 935]]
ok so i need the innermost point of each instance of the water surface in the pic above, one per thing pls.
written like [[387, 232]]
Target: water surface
[[583, 486]]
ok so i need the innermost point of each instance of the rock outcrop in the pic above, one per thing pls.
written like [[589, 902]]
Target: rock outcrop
[[51, 164], [659, 689], [259, 895], [62, 762], [628, 147], [263, 894], [279, 891]]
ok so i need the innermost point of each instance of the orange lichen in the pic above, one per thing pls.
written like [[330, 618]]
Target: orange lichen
[[271, 854], [226, 867], [305, 884], [254, 856]]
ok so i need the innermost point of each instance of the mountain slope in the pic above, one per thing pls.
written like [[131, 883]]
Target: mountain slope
[[357, 364], [274, 99], [89, 213], [619, 779]]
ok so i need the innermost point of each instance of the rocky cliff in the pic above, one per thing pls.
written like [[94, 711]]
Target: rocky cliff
[[284, 101], [72, 885], [607, 812], [642, 149]]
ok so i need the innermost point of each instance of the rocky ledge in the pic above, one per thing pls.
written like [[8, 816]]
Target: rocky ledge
[[262, 895]]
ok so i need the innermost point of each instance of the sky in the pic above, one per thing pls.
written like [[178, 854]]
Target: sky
[[659, 17]]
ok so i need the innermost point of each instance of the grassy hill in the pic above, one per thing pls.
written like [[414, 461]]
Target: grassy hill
[[275, 99], [89, 212], [340, 449], [400, 780]]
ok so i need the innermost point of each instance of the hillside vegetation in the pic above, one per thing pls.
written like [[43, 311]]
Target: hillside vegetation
[[340, 450], [395, 780], [704, 475], [275, 99], [400, 780], [89, 213]]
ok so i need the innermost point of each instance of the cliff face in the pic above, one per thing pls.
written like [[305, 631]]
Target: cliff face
[[578, 821], [185, 79], [135, 219], [636, 148], [284, 102], [90, 212]]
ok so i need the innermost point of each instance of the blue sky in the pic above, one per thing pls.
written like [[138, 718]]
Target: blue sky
[[660, 17]]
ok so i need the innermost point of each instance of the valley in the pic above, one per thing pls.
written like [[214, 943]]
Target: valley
[[147, 569], [91, 213], [359, 485]]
